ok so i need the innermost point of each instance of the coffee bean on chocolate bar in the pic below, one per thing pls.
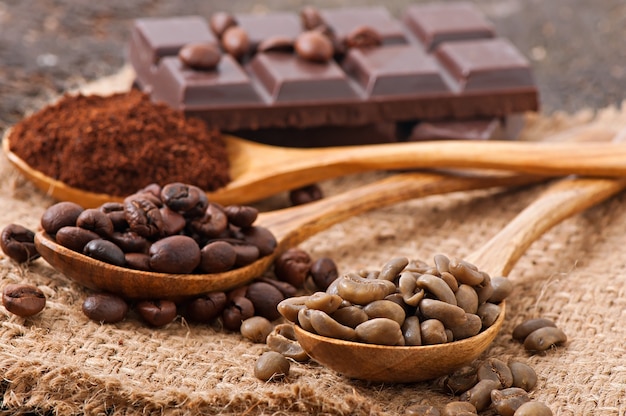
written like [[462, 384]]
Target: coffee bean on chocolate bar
[[18, 243], [202, 56], [23, 300], [220, 21], [310, 17], [236, 42], [276, 44], [363, 37], [314, 46]]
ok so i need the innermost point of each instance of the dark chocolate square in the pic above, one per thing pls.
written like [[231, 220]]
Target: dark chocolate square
[[344, 20], [264, 26]]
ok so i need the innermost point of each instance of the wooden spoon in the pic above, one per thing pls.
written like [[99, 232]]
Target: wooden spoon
[[259, 170], [290, 226], [497, 257]]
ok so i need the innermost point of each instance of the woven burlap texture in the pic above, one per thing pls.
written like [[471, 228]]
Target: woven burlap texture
[[62, 363]]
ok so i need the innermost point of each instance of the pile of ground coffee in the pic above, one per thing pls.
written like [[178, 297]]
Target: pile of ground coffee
[[120, 143]]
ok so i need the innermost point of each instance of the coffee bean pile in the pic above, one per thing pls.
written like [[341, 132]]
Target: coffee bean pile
[[405, 303], [539, 334], [169, 229]]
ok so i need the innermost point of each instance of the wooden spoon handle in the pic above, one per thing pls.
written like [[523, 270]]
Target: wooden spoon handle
[[293, 225], [558, 202]]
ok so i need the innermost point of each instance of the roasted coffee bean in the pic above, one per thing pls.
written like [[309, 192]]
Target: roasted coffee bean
[[283, 340], [18, 243], [217, 257], [236, 42], [314, 46], [293, 266], [310, 17], [245, 254], [533, 409], [495, 369], [265, 299], [524, 376], [143, 217], [75, 238], [271, 366], [174, 254], [507, 401], [205, 308], [186, 199], [157, 312], [201, 56], [459, 409], [137, 261], [105, 308], [23, 300], [106, 251], [502, 288], [173, 222], [421, 410], [241, 215], [522, 330], [238, 310], [59, 215], [276, 44], [256, 329], [95, 220], [115, 212], [260, 237], [288, 290], [130, 242], [324, 272], [220, 21], [459, 380], [544, 338], [480, 394], [305, 194], [363, 37], [212, 223]]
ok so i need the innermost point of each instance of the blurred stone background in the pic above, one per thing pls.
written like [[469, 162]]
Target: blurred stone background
[[577, 47]]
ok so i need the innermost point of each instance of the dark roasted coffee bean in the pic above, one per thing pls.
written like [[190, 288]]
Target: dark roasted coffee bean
[[23, 300], [220, 21], [507, 401], [106, 251], [130, 242], [95, 220], [115, 211], [238, 310], [310, 17], [206, 308], [288, 290], [187, 199], [544, 338], [212, 223], [137, 261], [524, 376], [75, 238], [143, 217], [245, 254], [201, 56], [236, 42], [271, 366], [363, 37], [157, 312], [105, 308], [260, 237], [265, 299], [217, 256], [305, 194], [18, 243], [314, 46], [459, 380], [324, 272], [241, 215], [276, 44], [173, 222], [61, 214], [495, 369], [174, 254], [293, 266], [480, 394]]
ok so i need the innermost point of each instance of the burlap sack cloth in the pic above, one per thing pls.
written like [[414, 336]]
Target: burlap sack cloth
[[61, 362]]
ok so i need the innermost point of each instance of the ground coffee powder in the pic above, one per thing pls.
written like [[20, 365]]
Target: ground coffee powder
[[120, 143]]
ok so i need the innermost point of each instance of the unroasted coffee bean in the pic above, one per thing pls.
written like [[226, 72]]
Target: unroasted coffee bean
[[459, 409], [23, 300], [220, 21], [544, 338], [502, 288], [238, 310], [533, 409], [265, 299], [322, 301], [290, 307], [206, 308], [465, 272], [18, 243], [524, 376], [186, 199], [421, 410], [143, 216], [480, 394], [471, 327], [241, 215], [522, 330], [363, 37], [314, 46], [174, 254], [271, 366], [497, 370], [256, 329], [324, 272], [293, 266], [236, 42], [283, 340], [276, 44], [433, 332], [137, 261], [489, 313], [411, 331], [105, 308], [59, 215], [507, 401], [96, 221], [305, 194], [325, 325], [75, 238], [201, 56], [459, 380], [157, 312], [385, 309], [106, 251], [467, 298], [450, 315], [361, 291], [217, 256], [392, 268], [437, 287], [381, 331]]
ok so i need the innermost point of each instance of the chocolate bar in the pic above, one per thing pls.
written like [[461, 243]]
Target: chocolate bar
[[440, 61]]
